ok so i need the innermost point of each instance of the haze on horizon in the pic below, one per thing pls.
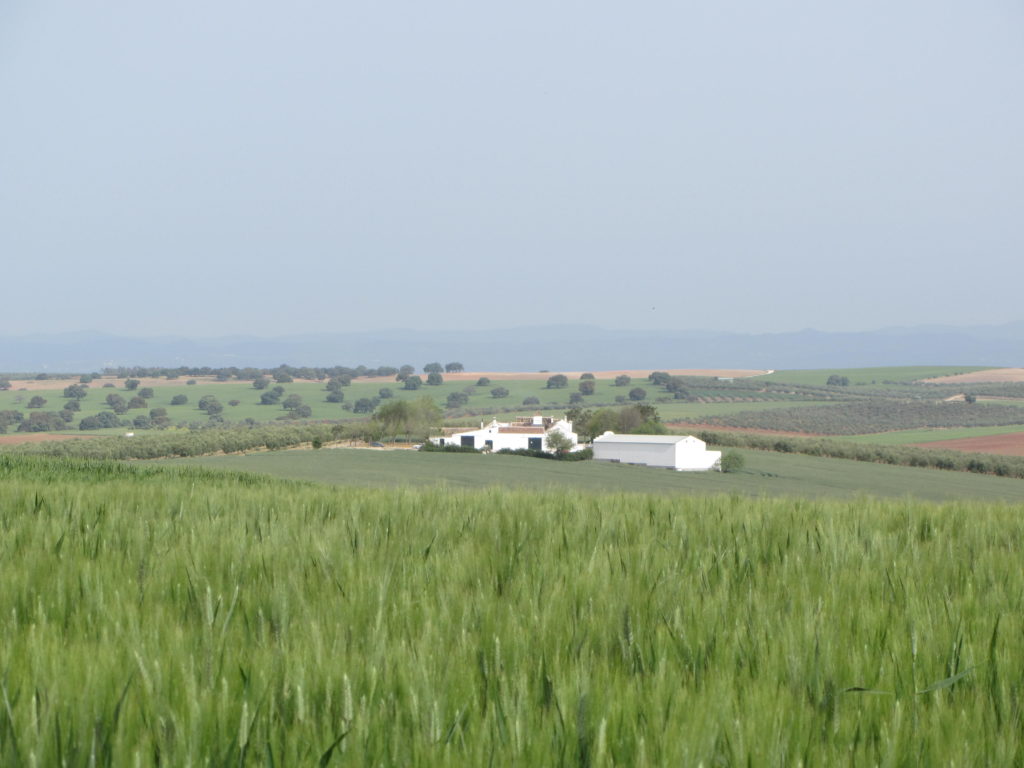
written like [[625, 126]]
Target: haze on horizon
[[209, 169]]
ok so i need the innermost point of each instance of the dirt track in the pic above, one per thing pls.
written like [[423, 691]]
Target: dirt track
[[1004, 445]]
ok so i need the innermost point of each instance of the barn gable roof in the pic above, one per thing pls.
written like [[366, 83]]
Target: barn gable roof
[[648, 439]]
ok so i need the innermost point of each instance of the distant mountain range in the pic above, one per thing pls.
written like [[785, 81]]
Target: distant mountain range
[[529, 349]]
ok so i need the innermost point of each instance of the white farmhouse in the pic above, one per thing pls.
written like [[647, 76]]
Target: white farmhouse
[[528, 433], [681, 452]]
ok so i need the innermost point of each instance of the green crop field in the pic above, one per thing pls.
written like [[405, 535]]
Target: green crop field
[[174, 616], [765, 473], [900, 374]]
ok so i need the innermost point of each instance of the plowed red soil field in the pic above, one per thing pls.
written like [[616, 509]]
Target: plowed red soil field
[[1011, 444]]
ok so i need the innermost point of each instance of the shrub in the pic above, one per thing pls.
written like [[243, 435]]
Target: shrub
[[457, 399], [429, 447], [102, 420], [44, 421], [732, 461]]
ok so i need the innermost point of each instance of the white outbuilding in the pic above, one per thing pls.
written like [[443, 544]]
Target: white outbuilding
[[529, 433], [680, 452]]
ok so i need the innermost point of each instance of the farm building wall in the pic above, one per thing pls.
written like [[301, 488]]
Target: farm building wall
[[499, 436], [686, 454], [649, 454]]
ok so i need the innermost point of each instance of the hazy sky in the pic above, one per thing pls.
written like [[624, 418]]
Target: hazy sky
[[210, 168]]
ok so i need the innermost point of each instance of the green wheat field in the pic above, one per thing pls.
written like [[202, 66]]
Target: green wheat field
[[186, 616]]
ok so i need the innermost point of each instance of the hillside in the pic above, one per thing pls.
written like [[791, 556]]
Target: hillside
[[765, 473], [183, 617]]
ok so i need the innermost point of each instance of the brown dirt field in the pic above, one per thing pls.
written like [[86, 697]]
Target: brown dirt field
[[543, 376], [35, 385], [1011, 444], [39, 437], [991, 376]]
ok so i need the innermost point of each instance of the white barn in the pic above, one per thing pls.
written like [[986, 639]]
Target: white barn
[[680, 452], [528, 433]]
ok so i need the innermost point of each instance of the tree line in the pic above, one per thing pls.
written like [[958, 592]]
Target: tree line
[[899, 455], [249, 373]]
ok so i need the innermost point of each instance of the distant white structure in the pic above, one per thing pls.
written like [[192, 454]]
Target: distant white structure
[[528, 433], [684, 453]]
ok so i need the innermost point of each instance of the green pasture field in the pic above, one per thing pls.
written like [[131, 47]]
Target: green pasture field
[[901, 374], [552, 401], [767, 473], [176, 616], [910, 436]]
